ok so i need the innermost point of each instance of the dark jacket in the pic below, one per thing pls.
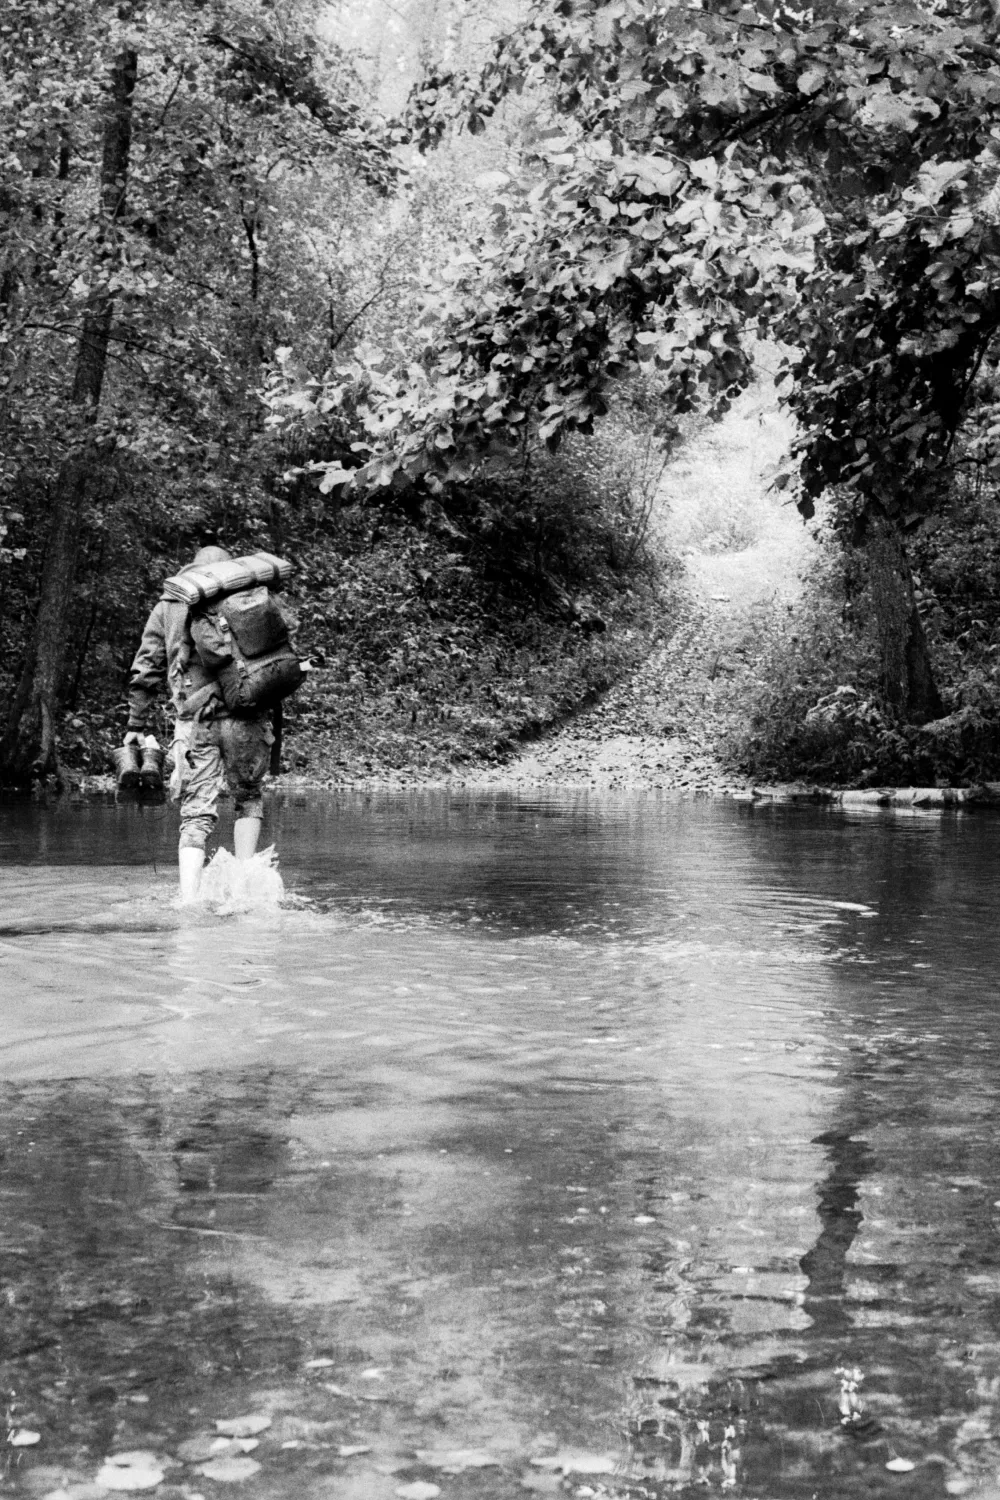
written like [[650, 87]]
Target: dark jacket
[[167, 658]]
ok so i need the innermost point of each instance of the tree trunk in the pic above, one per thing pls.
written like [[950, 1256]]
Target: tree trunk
[[29, 748], [907, 672], [83, 647]]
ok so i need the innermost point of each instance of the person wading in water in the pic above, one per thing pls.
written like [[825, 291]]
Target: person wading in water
[[219, 642]]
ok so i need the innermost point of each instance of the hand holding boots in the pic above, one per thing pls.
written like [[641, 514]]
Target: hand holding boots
[[139, 762]]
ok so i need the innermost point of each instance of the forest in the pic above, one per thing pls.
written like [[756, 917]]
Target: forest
[[425, 297]]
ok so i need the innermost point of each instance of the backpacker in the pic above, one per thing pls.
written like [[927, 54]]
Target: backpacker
[[241, 636]]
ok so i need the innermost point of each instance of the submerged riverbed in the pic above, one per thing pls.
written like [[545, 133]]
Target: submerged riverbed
[[596, 1146]]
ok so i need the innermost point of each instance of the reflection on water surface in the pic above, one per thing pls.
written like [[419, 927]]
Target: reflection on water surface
[[588, 1140]]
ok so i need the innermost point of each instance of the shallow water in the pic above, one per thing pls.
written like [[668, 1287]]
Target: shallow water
[[592, 1135]]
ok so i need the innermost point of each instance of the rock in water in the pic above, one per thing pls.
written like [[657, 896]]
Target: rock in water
[[131, 1471]]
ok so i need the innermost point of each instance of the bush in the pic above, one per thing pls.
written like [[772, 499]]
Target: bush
[[811, 708], [816, 711], [439, 639], [424, 664], [566, 524], [444, 639]]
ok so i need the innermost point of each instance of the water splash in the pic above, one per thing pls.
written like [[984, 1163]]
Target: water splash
[[231, 885]]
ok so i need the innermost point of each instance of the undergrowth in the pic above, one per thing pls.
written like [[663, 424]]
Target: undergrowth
[[438, 639], [814, 707], [425, 664]]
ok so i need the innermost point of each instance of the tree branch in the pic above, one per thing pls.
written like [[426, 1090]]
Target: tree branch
[[170, 98]]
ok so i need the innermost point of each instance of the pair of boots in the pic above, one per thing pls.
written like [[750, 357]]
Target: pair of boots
[[140, 765]]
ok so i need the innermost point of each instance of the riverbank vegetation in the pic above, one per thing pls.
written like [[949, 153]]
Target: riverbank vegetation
[[202, 206], [426, 299], [816, 707]]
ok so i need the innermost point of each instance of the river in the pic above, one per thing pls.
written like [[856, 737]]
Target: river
[[592, 1146]]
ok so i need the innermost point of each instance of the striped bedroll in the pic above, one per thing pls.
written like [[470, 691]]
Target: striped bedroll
[[194, 586]]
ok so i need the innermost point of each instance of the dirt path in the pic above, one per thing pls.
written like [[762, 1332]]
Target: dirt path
[[744, 550]]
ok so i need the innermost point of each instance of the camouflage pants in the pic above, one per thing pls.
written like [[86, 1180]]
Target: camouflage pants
[[213, 755]]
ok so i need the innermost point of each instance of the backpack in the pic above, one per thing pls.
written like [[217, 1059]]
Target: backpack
[[242, 639]]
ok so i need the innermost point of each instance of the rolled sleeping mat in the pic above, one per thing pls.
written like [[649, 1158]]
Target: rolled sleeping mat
[[194, 586]]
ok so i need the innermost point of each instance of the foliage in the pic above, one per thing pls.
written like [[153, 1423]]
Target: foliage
[[257, 233], [220, 249], [957, 559], [683, 170], [656, 183], [815, 707], [822, 653], [428, 666], [917, 315], [249, 154], [432, 647], [827, 176]]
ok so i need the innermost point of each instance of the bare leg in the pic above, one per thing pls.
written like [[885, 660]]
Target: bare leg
[[246, 832], [190, 864]]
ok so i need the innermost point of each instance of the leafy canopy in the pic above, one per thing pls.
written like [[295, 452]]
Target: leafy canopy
[[247, 137], [824, 175]]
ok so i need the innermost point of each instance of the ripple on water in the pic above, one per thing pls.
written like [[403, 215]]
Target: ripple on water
[[607, 1135]]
